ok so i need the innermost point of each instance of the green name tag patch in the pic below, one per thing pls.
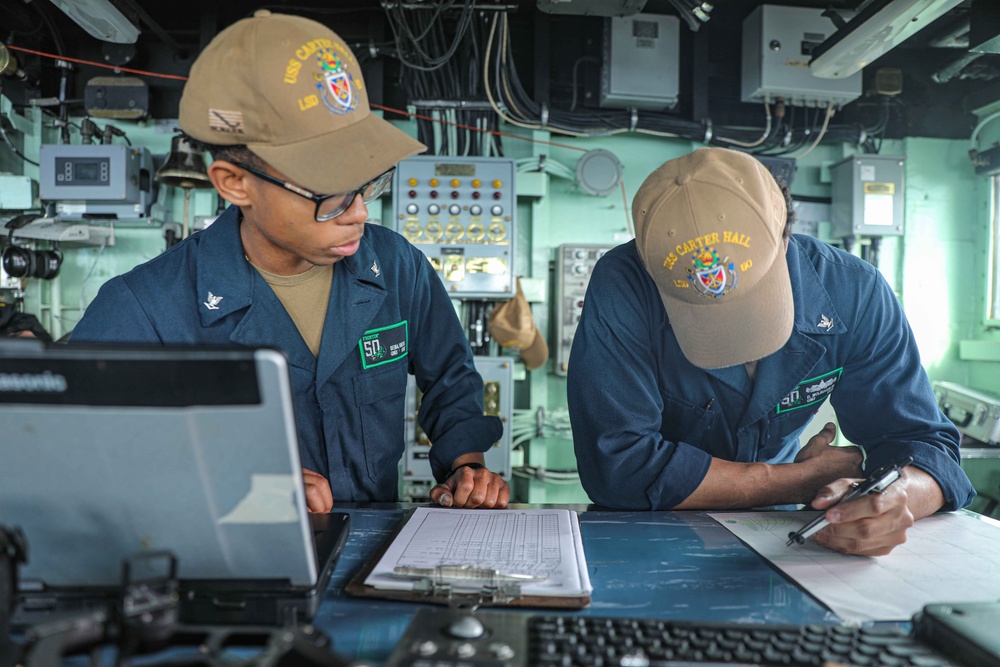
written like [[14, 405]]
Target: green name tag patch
[[384, 345], [810, 392]]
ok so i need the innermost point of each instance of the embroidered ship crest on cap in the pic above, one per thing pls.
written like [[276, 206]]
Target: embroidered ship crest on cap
[[335, 83], [711, 276]]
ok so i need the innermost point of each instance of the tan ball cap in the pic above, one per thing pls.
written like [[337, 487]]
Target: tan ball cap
[[291, 90], [513, 326], [709, 231]]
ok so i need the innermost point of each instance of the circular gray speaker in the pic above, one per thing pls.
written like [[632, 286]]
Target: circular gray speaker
[[598, 172]]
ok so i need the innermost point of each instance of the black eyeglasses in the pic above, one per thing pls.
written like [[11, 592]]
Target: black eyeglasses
[[329, 206]]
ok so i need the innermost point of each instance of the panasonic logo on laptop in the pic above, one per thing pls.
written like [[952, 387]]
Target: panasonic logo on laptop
[[33, 382]]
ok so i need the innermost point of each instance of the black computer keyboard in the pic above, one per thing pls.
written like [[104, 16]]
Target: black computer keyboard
[[561, 640], [448, 637]]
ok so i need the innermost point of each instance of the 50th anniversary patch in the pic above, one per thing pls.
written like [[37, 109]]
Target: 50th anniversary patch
[[384, 345], [811, 391]]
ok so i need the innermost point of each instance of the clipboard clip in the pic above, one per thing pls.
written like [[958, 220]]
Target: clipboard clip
[[492, 586]]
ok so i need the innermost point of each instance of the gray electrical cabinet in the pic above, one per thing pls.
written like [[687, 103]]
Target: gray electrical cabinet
[[641, 62], [867, 196], [777, 46], [96, 180]]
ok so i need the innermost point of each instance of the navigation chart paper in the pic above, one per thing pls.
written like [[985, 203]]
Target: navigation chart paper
[[947, 557], [543, 543]]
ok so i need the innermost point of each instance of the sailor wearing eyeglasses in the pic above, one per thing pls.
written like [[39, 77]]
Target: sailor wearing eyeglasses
[[280, 103]]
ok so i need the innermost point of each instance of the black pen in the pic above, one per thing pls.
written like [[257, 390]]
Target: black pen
[[877, 482]]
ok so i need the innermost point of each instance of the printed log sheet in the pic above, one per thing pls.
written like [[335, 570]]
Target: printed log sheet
[[545, 544]]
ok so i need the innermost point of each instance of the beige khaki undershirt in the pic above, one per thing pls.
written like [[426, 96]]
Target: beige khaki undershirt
[[305, 297]]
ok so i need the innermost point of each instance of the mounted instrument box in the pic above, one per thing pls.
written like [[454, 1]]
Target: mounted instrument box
[[975, 413]]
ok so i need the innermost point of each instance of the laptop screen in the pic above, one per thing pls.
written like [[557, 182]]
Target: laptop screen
[[111, 452]]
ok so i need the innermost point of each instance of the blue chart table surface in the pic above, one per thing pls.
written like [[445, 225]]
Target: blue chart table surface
[[663, 565]]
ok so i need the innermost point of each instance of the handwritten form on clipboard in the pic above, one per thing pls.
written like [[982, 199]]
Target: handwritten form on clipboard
[[543, 543]]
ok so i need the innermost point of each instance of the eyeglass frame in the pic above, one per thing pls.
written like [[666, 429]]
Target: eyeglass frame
[[349, 197]]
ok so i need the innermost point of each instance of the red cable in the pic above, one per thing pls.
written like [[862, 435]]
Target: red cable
[[399, 112], [96, 64]]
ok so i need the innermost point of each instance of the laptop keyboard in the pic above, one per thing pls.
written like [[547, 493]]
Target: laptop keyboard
[[443, 637]]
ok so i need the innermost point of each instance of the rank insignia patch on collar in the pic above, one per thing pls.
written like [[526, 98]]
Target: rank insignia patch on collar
[[213, 301], [374, 268], [825, 323]]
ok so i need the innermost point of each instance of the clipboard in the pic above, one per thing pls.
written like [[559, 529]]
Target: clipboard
[[492, 594]]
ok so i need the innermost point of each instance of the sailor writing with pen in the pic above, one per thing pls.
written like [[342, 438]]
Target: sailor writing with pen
[[877, 482], [706, 346]]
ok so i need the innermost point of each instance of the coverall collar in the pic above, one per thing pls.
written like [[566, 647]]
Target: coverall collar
[[357, 292]]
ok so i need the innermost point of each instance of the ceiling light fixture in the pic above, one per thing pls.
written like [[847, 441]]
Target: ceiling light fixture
[[101, 19], [877, 28]]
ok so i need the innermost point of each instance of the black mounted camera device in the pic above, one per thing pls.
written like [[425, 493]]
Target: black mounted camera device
[[21, 262]]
